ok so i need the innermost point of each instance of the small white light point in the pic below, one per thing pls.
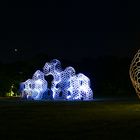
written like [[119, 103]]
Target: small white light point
[[15, 50]]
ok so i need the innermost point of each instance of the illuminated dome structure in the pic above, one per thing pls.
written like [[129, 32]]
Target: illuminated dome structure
[[66, 84], [135, 72]]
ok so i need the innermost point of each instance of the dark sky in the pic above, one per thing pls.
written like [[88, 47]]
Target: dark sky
[[71, 30]]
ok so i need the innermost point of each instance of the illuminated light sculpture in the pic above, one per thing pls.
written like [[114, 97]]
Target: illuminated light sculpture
[[63, 83], [34, 88], [54, 68], [66, 84], [135, 72], [80, 88]]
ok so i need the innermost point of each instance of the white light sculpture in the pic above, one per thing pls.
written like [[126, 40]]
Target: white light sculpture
[[54, 68], [35, 87], [80, 88], [135, 72], [66, 84]]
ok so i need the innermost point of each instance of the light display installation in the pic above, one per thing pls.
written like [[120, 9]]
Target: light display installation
[[134, 72], [66, 84]]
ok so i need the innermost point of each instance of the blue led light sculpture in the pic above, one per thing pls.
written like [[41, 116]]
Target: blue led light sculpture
[[66, 84], [79, 88], [35, 87]]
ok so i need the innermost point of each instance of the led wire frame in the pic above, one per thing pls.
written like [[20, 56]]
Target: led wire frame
[[66, 84]]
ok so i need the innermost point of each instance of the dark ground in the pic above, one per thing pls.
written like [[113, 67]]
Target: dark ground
[[102, 119]]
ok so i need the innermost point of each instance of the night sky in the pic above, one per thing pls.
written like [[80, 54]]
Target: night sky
[[71, 30]]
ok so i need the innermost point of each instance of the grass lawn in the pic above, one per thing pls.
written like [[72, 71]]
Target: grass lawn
[[97, 120]]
